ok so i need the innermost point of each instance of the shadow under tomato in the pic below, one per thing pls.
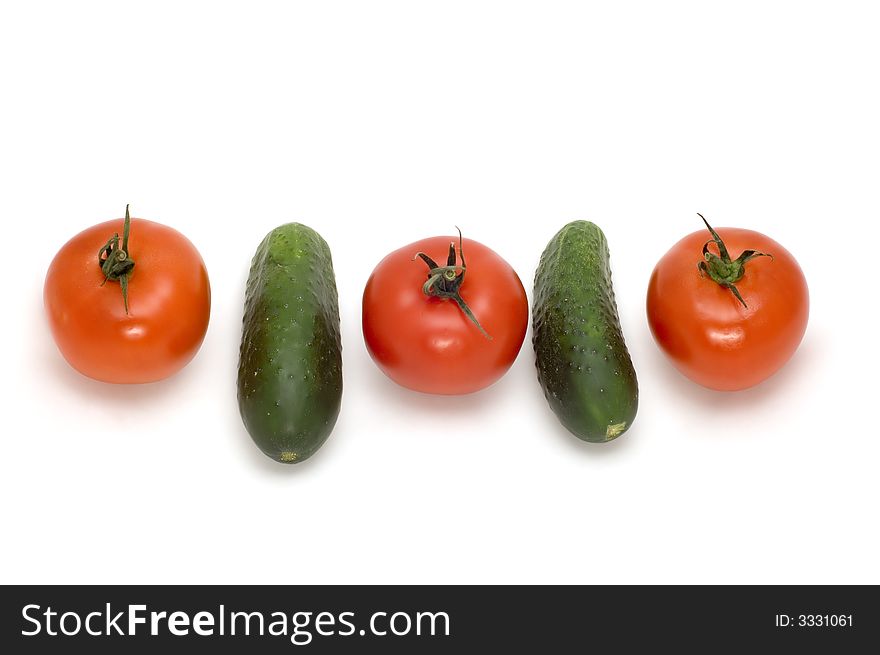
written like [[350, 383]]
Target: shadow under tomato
[[50, 359], [394, 397], [769, 391], [90, 390], [115, 394]]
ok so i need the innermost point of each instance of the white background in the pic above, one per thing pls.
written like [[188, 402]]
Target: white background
[[380, 123]]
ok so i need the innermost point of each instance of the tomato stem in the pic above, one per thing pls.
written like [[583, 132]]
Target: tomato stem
[[720, 268], [445, 281], [114, 259]]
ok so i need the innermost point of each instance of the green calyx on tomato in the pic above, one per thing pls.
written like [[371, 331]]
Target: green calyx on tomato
[[160, 327], [445, 281], [720, 268], [114, 260], [409, 333]]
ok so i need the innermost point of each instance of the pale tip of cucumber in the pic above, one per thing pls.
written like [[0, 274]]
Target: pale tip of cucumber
[[615, 431], [288, 456]]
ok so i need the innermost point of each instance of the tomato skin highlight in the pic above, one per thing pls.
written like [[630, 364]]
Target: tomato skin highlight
[[707, 333], [169, 304], [428, 344]]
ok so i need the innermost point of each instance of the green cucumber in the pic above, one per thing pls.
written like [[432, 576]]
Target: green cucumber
[[583, 364], [290, 364]]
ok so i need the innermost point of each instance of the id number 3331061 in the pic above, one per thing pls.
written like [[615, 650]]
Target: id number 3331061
[[814, 620]]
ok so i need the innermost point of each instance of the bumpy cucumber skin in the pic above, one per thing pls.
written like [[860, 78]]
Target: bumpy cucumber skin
[[583, 364], [290, 365]]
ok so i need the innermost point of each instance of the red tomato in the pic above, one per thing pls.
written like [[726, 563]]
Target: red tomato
[[169, 302], [713, 337], [428, 343]]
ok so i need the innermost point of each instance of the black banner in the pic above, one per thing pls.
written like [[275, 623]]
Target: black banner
[[414, 619]]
